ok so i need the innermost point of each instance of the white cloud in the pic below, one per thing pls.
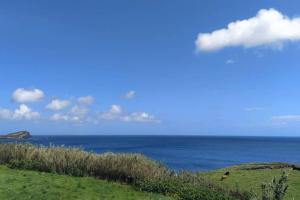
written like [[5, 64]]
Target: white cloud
[[77, 114], [116, 113], [79, 110], [66, 117], [59, 117], [57, 104], [6, 114], [140, 117], [230, 61], [130, 94], [22, 95], [86, 100], [115, 109], [286, 118], [268, 27], [23, 112]]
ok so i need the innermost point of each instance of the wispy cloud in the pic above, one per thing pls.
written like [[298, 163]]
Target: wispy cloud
[[140, 117], [130, 94], [268, 27], [286, 118], [230, 61], [86, 100], [57, 104], [116, 112], [253, 108]]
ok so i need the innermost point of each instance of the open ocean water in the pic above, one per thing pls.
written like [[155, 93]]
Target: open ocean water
[[186, 152]]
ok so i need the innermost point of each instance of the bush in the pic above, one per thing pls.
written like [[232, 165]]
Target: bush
[[190, 186], [276, 189]]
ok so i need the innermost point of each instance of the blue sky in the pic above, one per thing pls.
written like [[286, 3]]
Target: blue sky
[[137, 67]]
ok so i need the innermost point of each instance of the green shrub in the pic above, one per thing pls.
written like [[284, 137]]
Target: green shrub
[[189, 186], [276, 189]]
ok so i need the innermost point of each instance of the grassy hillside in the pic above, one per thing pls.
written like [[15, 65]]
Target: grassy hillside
[[31, 185], [252, 179], [133, 169]]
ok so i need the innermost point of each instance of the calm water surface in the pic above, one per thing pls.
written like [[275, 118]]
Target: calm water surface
[[188, 152]]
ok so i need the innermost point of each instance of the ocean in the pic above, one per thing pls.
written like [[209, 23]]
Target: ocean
[[195, 153]]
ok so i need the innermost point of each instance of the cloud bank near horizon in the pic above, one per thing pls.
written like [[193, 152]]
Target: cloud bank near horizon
[[79, 111]]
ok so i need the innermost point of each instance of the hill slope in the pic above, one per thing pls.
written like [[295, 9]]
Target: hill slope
[[252, 179]]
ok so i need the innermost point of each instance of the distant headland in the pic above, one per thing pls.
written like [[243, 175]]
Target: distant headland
[[16, 135]]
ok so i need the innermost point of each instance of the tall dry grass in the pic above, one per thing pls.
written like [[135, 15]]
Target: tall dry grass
[[72, 161]]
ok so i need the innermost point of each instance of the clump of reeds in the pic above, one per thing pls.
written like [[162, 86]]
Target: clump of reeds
[[72, 161]]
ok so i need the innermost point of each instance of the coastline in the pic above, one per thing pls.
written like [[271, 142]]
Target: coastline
[[188, 153]]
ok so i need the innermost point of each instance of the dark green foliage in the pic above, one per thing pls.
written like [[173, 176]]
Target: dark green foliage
[[190, 186]]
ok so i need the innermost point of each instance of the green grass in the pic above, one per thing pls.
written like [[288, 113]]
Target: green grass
[[32, 185], [252, 179]]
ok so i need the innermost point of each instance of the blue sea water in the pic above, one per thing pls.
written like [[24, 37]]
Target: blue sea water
[[188, 152]]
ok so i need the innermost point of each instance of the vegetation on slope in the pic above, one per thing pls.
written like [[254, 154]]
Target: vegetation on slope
[[250, 177], [32, 185], [148, 175], [135, 169]]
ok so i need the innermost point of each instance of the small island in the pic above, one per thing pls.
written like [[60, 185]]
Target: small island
[[16, 135]]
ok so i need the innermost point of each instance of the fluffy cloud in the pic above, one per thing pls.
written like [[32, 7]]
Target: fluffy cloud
[[80, 112], [65, 117], [268, 27], [130, 94], [77, 114], [23, 112], [86, 100], [57, 104], [59, 117], [140, 117], [116, 113], [22, 95]]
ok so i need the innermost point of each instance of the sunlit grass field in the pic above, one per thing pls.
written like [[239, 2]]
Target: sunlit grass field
[[31, 185], [252, 179]]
